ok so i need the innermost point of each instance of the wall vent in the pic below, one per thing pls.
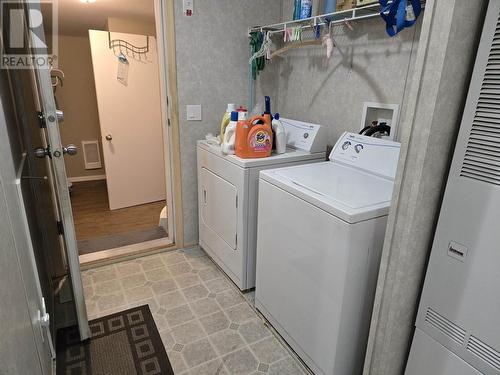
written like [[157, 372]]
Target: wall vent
[[445, 326], [484, 351], [91, 154], [482, 156]]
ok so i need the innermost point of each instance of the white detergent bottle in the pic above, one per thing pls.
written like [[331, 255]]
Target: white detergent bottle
[[229, 140], [279, 134]]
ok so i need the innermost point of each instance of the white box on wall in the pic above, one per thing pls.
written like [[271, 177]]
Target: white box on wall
[[381, 112], [91, 154]]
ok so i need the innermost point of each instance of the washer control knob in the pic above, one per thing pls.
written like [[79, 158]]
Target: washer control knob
[[346, 145], [358, 148], [306, 135]]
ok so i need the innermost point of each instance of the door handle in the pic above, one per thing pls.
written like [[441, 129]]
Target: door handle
[[109, 137], [41, 152], [70, 150]]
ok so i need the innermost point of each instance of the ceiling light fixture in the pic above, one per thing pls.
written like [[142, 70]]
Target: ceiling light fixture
[[87, 1]]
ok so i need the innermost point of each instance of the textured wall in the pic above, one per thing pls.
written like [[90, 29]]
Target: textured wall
[[77, 98], [212, 70], [368, 65], [450, 33]]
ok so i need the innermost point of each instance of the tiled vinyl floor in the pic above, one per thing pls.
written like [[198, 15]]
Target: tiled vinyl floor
[[207, 326]]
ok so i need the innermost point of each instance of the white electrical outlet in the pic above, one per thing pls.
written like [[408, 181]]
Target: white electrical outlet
[[188, 7], [193, 112]]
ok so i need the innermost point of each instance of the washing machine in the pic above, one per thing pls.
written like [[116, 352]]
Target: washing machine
[[320, 234], [228, 191]]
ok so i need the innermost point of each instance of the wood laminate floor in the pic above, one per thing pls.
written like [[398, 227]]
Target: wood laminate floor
[[94, 219]]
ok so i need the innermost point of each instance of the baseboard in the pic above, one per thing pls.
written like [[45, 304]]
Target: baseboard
[[87, 178]]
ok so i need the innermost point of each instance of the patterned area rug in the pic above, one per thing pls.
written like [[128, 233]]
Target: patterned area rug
[[126, 343]]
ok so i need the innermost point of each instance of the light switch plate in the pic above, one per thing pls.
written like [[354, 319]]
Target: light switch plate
[[193, 112]]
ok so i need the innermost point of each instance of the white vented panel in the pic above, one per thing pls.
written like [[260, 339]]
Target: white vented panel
[[460, 303], [484, 351], [91, 154], [445, 326], [482, 156]]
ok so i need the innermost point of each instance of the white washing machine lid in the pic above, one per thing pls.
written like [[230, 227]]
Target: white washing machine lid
[[350, 194], [291, 155]]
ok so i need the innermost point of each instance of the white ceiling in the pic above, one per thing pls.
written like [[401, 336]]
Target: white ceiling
[[76, 18]]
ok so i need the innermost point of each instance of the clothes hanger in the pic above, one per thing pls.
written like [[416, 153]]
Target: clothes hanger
[[295, 45], [264, 49]]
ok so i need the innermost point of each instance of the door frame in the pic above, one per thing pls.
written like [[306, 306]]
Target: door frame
[[165, 38], [167, 64]]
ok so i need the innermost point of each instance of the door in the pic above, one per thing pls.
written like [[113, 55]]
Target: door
[[24, 346], [219, 210], [26, 340], [130, 119], [55, 152]]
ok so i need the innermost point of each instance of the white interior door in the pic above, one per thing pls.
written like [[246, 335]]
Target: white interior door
[[130, 120]]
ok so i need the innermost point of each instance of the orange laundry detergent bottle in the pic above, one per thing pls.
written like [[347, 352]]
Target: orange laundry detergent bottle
[[254, 137]]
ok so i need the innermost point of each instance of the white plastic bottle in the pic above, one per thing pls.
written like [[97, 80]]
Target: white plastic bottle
[[225, 120], [279, 134], [229, 140]]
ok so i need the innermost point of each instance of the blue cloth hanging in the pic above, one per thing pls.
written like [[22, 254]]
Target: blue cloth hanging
[[394, 14]]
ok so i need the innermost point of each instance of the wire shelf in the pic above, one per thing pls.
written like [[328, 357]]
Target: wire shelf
[[341, 17]]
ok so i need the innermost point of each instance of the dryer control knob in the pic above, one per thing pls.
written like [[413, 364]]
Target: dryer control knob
[[346, 145], [358, 148]]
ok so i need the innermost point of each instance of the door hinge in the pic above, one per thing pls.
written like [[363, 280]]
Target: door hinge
[[236, 241], [167, 102], [236, 201], [168, 122], [60, 227], [41, 120]]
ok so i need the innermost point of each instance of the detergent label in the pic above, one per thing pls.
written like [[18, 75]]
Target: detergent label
[[261, 142]]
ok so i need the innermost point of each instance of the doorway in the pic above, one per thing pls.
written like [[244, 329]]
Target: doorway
[[108, 84]]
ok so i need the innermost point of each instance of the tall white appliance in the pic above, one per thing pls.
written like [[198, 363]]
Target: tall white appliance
[[227, 197], [458, 328], [320, 234]]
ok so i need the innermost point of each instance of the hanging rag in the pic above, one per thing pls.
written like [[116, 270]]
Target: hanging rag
[[398, 14], [258, 64]]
